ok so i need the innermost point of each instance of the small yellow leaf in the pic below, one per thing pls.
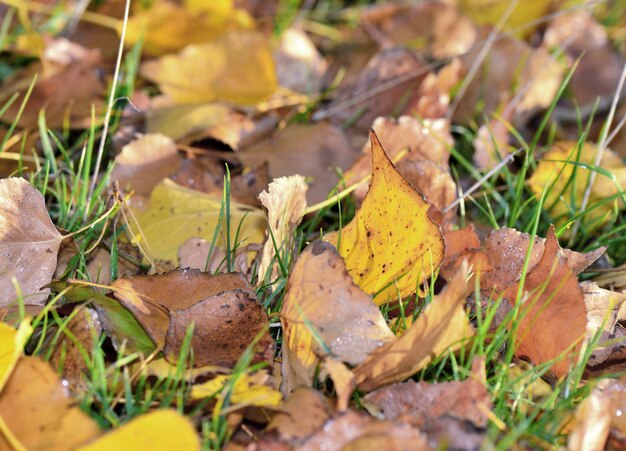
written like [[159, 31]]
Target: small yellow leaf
[[208, 72], [176, 213], [12, 344], [159, 430], [392, 244], [521, 22], [565, 166], [246, 391]]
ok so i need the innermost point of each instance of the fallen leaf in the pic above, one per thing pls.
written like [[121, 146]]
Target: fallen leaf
[[522, 20], [143, 163], [464, 244], [223, 309], [206, 72], [285, 201], [36, 412], [552, 318], [12, 344], [324, 313], [491, 144], [390, 258], [310, 150], [160, 430], [305, 411], [563, 169], [352, 430], [246, 391], [167, 27], [299, 65], [442, 325], [592, 423], [176, 213], [343, 381], [29, 243]]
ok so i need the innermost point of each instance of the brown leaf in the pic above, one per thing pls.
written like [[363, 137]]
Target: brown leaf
[[464, 244], [441, 326], [592, 423], [325, 311], [492, 143], [305, 411], [343, 381], [38, 413], [552, 316], [29, 242], [223, 308], [299, 65], [309, 150]]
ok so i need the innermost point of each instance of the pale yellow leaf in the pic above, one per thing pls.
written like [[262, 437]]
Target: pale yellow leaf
[[247, 391], [12, 344], [391, 245]]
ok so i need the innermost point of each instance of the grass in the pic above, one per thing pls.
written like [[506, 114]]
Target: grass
[[117, 387]]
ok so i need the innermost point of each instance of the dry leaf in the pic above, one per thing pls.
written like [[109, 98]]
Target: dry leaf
[[144, 162], [310, 150], [390, 258], [12, 344], [299, 65], [223, 308], [552, 317], [556, 172], [304, 412], [521, 20], [592, 422], [208, 73], [246, 390], [442, 325], [29, 243], [491, 144], [175, 214], [36, 412], [343, 381], [160, 430], [464, 244], [325, 312], [285, 201]]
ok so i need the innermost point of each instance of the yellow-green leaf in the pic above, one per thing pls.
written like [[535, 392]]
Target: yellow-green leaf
[[392, 244], [522, 19], [176, 213], [12, 344], [247, 391], [159, 430]]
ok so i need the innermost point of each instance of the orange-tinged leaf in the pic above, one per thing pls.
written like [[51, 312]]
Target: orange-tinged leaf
[[392, 244], [208, 72], [159, 430], [442, 325]]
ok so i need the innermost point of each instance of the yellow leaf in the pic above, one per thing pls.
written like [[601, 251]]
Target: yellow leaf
[[246, 391], [565, 166], [208, 72], [176, 213], [392, 244], [441, 326], [12, 344], [167, 27], [159, 430], [520, 22]]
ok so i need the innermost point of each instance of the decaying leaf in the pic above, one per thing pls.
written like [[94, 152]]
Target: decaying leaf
[[36, 412], [442, 325], [343, 381], [160, 430], [305, 411], [285, 201], [29, 243], [143, 163], [223, 309], [12, 344], [324, 313], [464, 244], [207, 72], [176, 213], [387, 257], [246, 391], [564, 172], [551, 323]]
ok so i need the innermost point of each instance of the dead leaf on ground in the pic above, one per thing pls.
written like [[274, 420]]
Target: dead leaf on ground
[[143, 163], [38, 414], [551, 323], [442, 325], [223, 308], [160, 430], [309, 150], [301, 415], [343, 381], [29, 243], [207, 72], [390, 258], [247, 390], [491, 144], [325, 312], [592, 423], [521, 20], [464, 244], [299, 65], [285, 201], [196, 253], [176, 213], [12, 342]]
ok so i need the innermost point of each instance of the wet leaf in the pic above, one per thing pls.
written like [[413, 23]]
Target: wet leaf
[[160, 430], [442, 325], [207, 73], [390, 258], [37, 413], [12, 344], [223, 309], [324, 313], [176, 214], [29, 243]]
